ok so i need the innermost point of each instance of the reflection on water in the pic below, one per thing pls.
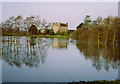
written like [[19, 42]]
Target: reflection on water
[[0, 60], [0, 48], [34, 51], [24, 50], [102, 56], [30, 51], [59, 43]]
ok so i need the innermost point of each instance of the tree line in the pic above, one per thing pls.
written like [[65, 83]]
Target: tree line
[[23, 26], [101, 31], [19, 23]]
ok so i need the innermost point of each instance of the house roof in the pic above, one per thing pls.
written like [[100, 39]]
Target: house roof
[[62, 24], [32, 26]]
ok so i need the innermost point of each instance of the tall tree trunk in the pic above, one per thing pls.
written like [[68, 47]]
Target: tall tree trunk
[[98, 39], [114, 37], [106, 38]]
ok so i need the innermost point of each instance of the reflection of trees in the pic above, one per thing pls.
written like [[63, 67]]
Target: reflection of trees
[[59, 43], [0, 48], [24, 50], [102, 56]]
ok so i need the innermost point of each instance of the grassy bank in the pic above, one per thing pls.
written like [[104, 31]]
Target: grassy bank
[[51, 36], [27, 34]]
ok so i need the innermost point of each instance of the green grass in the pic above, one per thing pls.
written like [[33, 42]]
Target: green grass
[[51, 36], [24, 34]]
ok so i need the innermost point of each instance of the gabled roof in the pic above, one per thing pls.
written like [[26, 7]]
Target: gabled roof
[[62, 24]]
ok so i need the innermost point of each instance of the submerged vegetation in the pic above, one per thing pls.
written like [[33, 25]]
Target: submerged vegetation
[[99, 40], [101, 31]]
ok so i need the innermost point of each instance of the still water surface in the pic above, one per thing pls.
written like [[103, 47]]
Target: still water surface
[[36, 59]]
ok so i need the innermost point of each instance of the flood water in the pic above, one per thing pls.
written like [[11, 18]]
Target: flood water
[[38, 59]]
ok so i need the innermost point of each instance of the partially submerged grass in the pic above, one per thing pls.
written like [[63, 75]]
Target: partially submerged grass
[[24, 34]]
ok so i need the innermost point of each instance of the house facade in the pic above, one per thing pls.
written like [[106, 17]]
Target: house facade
[[61, 27]]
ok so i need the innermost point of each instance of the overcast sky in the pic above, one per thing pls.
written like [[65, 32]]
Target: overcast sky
[[68, 12]]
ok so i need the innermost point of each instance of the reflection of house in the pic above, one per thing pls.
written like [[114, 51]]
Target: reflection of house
[[59, 43], [61, 27]]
